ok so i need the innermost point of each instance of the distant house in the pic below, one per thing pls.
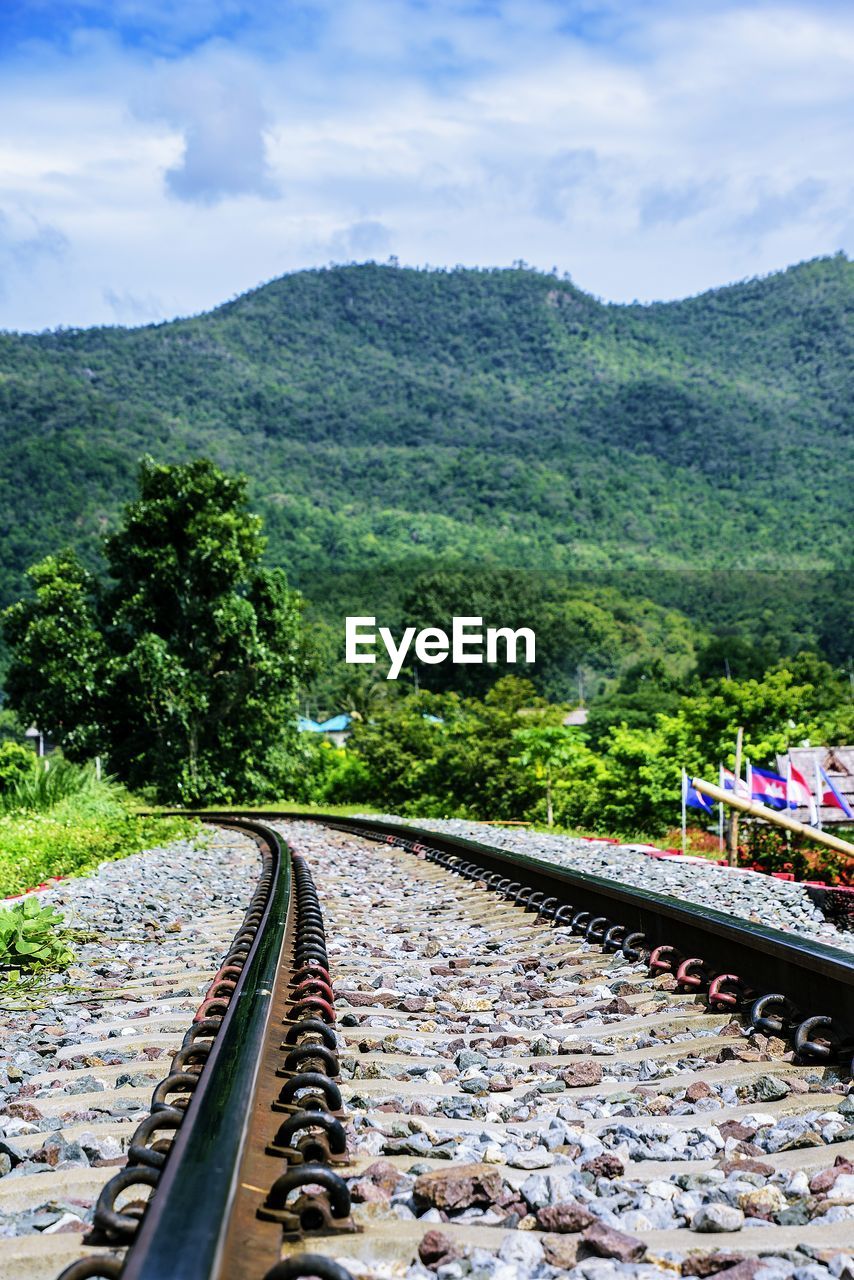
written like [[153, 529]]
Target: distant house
[[336, 729], [837, 763]]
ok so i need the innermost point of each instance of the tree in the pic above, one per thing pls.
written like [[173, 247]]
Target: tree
[[60, 666], [640, 787], [182, 668], [544, 749]]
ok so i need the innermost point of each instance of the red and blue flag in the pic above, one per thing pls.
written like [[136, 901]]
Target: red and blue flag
[[832, 798], [769, 788]]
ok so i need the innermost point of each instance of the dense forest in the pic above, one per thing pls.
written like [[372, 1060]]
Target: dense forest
[[390, 417]]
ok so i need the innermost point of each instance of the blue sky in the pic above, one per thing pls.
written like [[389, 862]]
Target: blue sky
[[156, 159]]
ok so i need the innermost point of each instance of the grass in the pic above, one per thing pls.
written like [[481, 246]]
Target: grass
[[45, 784], [70, 824]]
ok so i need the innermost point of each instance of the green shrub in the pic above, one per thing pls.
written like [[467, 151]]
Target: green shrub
[[32, 937], [17, 763], [36, 785]]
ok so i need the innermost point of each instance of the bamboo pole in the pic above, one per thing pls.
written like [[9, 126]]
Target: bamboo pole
[[757, 810], [733, 822]]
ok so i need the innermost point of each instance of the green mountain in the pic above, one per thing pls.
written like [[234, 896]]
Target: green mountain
[[389, 416]]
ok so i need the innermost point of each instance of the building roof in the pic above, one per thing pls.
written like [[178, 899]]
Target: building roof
[[337, 724]]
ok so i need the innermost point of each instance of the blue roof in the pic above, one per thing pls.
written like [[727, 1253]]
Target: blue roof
[[337, 724]]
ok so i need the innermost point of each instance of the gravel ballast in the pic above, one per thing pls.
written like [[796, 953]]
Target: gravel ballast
[[750, 895]]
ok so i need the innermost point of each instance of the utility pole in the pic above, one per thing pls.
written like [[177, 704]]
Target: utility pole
[[733, 822]]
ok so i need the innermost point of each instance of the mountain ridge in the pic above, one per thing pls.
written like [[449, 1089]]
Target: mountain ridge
[[494, 415]]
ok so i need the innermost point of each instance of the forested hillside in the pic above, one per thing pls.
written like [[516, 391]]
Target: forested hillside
[[388, 415]]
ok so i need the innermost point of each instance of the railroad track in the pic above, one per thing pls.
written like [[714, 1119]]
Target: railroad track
[[521, 1067]]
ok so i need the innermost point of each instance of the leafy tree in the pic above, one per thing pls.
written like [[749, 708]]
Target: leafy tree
[[577, 633], [401, 755], [182, 668], [60, 669], [640, 787], [544, 750], [784, 708], [513, 693], [644, 691]]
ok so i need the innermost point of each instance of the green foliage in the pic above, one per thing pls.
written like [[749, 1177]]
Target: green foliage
[[182, 668], [16, 767], [640, 789], [32, 938], [318, 773], [642, 693], [804, 699], [509, 756], [58, 819], [39, 784], [544, 750], [61, 661]]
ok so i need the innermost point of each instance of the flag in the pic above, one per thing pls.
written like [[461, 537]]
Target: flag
[[769, 788], [728, 783], [798, 790], [692, 798], [831, 797]]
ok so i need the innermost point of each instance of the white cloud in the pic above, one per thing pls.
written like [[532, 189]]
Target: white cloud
[[214, 103], [650, 150]]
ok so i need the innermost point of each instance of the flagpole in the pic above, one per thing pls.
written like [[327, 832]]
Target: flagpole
[[788, 810], [720, 811], [818, 789], [684, 813], [733, 822]]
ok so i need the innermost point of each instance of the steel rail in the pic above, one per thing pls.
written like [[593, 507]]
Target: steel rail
[[183, 1229]]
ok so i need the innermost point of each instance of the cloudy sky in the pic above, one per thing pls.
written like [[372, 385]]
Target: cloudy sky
[[157, 157]]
